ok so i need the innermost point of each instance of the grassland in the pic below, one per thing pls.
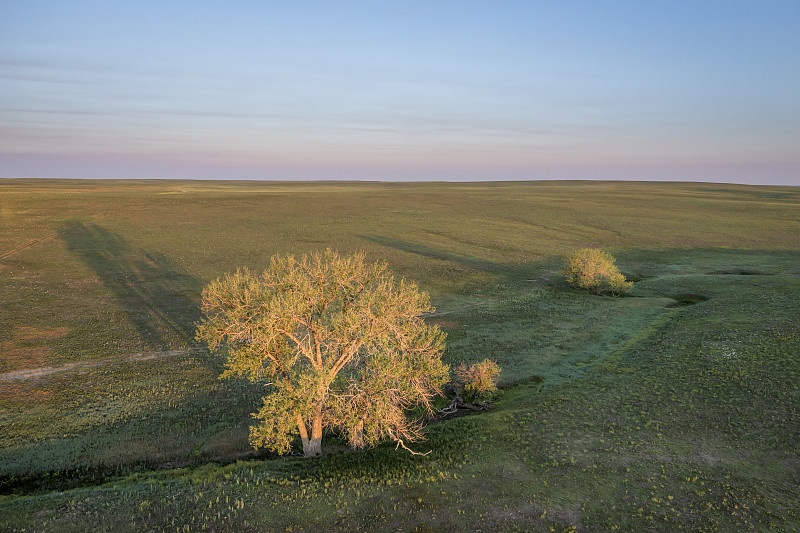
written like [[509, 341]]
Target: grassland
[[676, 408]]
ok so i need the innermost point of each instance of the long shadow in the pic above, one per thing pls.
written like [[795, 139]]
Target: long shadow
[[472, 262], [159, 299]]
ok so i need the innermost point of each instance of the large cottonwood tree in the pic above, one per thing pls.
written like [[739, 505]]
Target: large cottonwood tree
[[340, 343]]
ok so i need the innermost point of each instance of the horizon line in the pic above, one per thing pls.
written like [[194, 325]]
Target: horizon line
[[410, 180]]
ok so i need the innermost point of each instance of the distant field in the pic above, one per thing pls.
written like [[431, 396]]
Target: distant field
[[675, 408]]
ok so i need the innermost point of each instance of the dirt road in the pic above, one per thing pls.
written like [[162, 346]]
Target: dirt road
[[48, 370]]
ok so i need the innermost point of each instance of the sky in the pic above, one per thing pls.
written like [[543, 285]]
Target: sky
[[402, 90]]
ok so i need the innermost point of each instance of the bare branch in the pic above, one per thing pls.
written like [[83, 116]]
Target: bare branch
[[401, 444]]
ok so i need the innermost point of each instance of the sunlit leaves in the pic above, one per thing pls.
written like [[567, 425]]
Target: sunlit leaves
[[594, 269], [479, 380], [342, 344]]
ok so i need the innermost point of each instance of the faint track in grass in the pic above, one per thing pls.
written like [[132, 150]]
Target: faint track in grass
[[28, 244], [33, 242], [80, 365]]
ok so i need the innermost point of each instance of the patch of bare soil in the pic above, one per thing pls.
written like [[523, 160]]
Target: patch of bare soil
[[443, 323], [30, 334], [24, 392], [18, 357]]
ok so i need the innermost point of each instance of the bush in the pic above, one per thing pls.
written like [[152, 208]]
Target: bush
[[593, 269], [479, 380]]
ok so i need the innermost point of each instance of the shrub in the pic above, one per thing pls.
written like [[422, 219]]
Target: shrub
[[479, 380], [593, 269]]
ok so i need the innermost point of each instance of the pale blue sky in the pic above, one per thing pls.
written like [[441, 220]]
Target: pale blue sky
[[453, 90]]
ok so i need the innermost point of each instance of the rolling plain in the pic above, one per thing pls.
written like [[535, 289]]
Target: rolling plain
[[676, 407]]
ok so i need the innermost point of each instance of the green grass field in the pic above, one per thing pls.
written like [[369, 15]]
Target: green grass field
[[674, 408]]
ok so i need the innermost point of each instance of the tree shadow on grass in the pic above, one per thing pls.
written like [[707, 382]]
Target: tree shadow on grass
[[159, 299], [463, 260]]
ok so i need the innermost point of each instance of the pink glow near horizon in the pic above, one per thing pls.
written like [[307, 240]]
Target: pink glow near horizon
[[404, 91]]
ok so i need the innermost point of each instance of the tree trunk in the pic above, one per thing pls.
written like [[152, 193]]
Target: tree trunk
[[313, 447], [301, 427], [358, 441]]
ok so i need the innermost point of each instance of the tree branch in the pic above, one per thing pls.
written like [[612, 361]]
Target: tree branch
[[299, 344], [343, 359], [401, 443]]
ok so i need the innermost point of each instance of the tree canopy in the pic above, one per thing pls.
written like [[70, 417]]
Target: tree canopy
[[594, 269], [339, 343]]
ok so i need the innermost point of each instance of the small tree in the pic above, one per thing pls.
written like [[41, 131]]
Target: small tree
[[340, 343], [593, 269]]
